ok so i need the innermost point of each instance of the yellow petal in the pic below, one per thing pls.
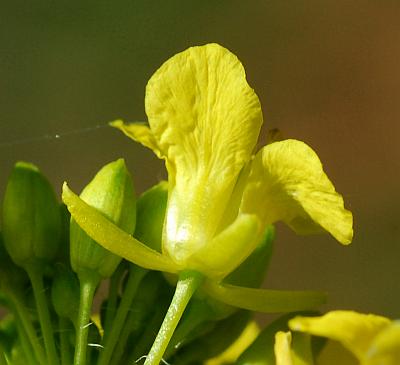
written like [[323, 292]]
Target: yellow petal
[[287, 182], [385, 349], [353, 330], [205, 119], [333, 353], [139, 132], [283, 355], [230, 355]]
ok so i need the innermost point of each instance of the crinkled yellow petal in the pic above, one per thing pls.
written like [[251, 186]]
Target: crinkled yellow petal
[[385, 348], [287, 182], [282, 348], [355, 331], [206, 120]]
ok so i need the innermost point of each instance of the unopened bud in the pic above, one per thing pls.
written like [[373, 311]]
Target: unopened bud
[[111, 192], [151, 207], [31, 217], [65, 294]]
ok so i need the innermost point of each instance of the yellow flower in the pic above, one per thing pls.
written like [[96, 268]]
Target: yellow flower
[[204, 121], [371, 339]]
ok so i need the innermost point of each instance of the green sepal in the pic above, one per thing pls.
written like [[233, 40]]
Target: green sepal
[[251, 273], [263, 300], [112, 194], [112, 238], [31, 217]]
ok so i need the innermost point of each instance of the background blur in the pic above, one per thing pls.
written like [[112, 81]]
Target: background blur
[[327, 72]]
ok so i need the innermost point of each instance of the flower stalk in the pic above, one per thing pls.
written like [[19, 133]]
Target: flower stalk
[[187, 284]]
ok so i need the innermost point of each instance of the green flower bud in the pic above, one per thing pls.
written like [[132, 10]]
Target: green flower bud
[[151, 207], [31, 218], [65, 294], [111, 192]]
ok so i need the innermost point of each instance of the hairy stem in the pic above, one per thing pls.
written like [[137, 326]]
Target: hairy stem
[[187, 284], [88, 285]]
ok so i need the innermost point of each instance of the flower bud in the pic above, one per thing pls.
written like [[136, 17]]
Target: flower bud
[[31, 218], [151, 207], [111, 192]]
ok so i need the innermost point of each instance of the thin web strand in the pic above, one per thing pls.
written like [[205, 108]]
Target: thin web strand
[[52, 137]]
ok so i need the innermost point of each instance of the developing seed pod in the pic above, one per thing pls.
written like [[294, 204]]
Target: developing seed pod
[[65, 294], [111, 191], [31, 218]]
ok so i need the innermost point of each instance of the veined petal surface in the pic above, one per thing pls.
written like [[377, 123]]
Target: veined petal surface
[[355, 331], [205, 119], [287, 182]]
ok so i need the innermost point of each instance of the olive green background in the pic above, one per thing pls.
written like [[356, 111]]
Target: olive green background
[[327, 72]]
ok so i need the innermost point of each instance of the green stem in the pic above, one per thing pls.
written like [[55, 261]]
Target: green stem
[[146, 338], [36, 277], [112, 299], [3, 359], [27, 325], [189, 323], [187, 284], [65, 350], [123, 338], [88, 285], [136, 274], [25, 344]]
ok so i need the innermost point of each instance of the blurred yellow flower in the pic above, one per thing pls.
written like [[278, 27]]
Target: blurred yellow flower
[[371, 339]]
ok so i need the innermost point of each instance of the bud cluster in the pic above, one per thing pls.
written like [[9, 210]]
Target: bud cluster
[[53, 277]]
